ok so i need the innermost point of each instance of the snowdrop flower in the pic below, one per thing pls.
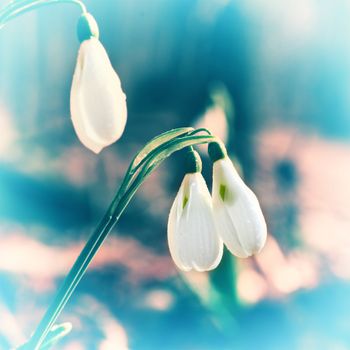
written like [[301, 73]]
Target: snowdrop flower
[[98, 104], [237, 212], [192, 236]]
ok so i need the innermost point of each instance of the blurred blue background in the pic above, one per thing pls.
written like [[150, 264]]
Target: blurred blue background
[[272, 78]]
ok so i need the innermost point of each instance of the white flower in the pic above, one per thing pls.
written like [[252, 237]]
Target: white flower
[[98, 104], [192, 236], [237, 212]]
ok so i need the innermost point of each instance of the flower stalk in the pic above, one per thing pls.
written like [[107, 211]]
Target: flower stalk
[[17, 8], [143, 164]]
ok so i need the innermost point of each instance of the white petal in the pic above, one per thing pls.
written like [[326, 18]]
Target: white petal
[[192, 236], [238, 215], [98, 104]]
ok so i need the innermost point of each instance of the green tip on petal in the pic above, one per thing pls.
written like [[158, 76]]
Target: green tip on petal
[[184, 202], [193, 163], [222, 192], [216, 151], [87, 27]]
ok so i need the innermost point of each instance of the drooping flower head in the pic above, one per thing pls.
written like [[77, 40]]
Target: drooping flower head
[[237, 212], [192, 236], [98, 103]]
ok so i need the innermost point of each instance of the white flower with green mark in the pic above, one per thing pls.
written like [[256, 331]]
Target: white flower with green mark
[[237, 212], [192, 236], [98, 103]]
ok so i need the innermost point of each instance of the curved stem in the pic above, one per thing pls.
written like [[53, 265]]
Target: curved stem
[[13, 9], [196, 131], [140, 157], [161, 152], [125, 193]]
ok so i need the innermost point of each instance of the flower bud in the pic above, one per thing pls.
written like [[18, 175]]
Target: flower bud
[[97, 101], [192, 236], [237, 212]]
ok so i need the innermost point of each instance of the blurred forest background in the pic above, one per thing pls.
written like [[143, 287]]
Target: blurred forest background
[[272, 78]]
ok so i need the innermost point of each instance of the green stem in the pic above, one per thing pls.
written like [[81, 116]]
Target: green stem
[[134, 177], [71, 281], [196, 131], [15, 9], [141, 156]]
